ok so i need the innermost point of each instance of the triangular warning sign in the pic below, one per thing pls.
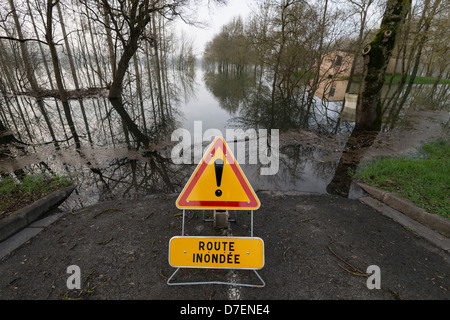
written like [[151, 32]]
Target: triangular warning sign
[[218, 183]]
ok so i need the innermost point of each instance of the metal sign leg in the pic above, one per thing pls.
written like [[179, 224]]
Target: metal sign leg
[[216, 282], [182, 226], [251, 229]]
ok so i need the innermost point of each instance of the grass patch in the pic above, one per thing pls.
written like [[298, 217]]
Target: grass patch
[[417, 79], [15, 195], [397, 77], [422, 177]]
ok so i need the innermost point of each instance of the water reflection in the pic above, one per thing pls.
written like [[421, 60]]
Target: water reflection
[[110, 147], [121, 148], [253, 104], [319, 150], [230, 88], [354, 150]]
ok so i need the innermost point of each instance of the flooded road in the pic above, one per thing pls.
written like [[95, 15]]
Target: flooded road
[[111, 162]]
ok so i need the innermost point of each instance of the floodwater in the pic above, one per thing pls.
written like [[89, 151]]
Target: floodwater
[[111, 164]]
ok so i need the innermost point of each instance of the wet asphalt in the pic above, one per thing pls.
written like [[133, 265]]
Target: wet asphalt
[[317, 247]]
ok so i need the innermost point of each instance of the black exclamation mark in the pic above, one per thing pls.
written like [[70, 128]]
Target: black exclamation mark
[[218, 167]]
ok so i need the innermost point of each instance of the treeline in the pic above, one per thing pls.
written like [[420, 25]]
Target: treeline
[[59, 49], [288, 43], [95, 42]]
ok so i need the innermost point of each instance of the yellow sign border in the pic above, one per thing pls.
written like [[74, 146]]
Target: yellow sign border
[[219, 238]]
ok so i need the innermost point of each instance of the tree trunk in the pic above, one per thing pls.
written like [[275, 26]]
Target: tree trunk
[[94, 50], [376, 58], [118, 106], [280, 53], [147, 60], [139, 89], [88, 61], [355, 148], [158, 70], [44, 59], [69, 51], [23, 48], [112, 52], [57, 70], [85, 61], [116, 87], [364, 10], [4, 64], [6, 137], [422, 40], [73, 70], [320, 54]]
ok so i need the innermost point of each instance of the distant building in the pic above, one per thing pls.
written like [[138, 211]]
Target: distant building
[[336, 64], [335, 70]]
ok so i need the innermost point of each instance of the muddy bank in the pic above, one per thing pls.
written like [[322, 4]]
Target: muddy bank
[[84, 93], [416, 128]]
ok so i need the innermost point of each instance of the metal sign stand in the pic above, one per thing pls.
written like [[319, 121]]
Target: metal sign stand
[[216, 282]]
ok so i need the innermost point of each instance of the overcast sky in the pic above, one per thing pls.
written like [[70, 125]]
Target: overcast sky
[[215, 17]]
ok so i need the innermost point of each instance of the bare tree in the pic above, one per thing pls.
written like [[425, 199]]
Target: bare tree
[[360, 7], [128, 21], [24, 50], [57, 69]]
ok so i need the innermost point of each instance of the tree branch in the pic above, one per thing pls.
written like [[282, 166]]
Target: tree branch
[[21, 40]]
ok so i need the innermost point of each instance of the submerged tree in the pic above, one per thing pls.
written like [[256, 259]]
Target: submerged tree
[[57, 69], [127, 21], [131, 23]]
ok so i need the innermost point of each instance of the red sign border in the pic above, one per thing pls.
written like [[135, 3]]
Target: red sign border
[[253, 204]]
